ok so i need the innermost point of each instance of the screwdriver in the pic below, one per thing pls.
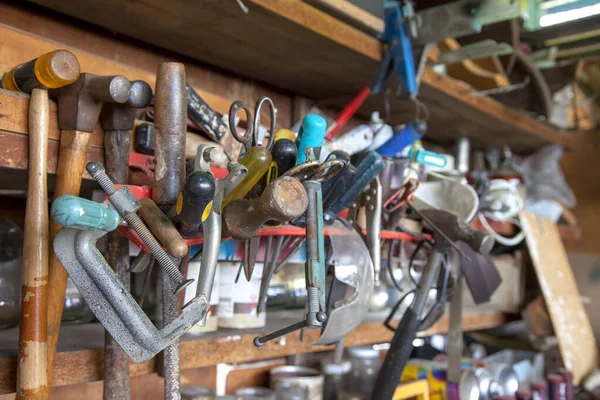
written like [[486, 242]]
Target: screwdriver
[[367, 168], [257, 160], [311, 135], [283, 154], [194, 203]]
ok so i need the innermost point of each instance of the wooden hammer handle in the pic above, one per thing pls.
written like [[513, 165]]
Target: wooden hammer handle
[[162, 227], [31, 369], [71, 163]]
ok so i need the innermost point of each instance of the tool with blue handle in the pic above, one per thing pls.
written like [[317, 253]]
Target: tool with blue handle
[[399, 56], [311, 135], [367, 169], [405, 137], [75, 212]]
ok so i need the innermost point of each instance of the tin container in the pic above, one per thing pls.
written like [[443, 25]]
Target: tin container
[[254, 393], [197, 393], [436, 375], [488, 386], [310, 378], [505, 375], [524, 395]]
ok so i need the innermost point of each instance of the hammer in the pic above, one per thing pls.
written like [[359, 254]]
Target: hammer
[[51, 70], [79, 106], [117, 120], [283, 200], [448, 228], [170, 121]]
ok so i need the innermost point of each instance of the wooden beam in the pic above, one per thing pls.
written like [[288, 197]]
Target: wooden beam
[[227, 346], [350, 14]]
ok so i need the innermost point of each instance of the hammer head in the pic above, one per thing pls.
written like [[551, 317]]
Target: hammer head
[[121, 116], [80, 103], [456, 230]]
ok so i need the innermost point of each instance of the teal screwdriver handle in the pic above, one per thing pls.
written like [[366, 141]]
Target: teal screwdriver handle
[[367, 169], [311, 135], [75, 212], [423, 156]]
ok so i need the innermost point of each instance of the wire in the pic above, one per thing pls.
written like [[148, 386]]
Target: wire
[[503, 239]]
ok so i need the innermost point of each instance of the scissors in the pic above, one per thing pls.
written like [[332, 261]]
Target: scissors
[[249, 137]]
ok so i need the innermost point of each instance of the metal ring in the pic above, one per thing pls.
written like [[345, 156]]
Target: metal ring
[[304, 171], [273, 116], [246, 138], [328, 170]]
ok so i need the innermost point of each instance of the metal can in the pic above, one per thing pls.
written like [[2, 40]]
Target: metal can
[[254, 393], [505, 375], [197, 393], [488, 386], [524, 395], [436, 375], [310, 378]]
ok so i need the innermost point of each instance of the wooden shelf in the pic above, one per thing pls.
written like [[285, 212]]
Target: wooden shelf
[[80, 357], [295, 46]]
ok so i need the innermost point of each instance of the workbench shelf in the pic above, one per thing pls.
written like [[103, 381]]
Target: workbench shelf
[[293, 45], [80, 355]]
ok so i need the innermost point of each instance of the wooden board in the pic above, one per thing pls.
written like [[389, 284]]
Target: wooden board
[[223, 346], [571, 324], [294, 46], [351, 14]]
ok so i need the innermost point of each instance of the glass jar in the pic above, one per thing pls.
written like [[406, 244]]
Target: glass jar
[[363, 374], [11, 263]]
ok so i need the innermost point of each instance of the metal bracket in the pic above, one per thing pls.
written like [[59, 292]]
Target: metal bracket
[[111, 302]]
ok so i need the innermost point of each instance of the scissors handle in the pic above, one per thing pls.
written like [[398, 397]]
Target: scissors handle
[[273, 118], [248, 138]]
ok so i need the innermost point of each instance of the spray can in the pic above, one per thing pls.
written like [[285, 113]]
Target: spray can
[[556, 385]]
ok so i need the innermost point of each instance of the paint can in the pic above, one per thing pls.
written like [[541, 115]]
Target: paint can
[[254, 393], [556, 386], [310, 378]]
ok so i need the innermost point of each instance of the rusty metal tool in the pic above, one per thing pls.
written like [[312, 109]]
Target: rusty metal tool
[[211, 226], [204, 116], [79, 107], [112, 304], [315, 256], [170, 121], [126, 205], [117, 120], [284, 199], [402, 343]]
